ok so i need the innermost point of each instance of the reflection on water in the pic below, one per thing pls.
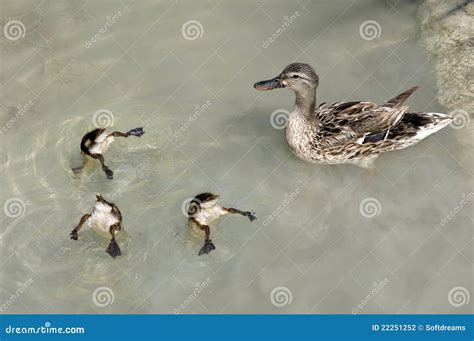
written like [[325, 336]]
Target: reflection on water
[[190, 87]]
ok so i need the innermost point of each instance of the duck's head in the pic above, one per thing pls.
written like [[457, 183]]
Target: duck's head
[[298, 77]]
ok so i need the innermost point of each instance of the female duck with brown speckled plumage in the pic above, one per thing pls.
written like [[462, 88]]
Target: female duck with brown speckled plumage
[[348, 132]]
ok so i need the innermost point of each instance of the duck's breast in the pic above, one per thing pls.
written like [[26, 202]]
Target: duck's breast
[[301, 135]]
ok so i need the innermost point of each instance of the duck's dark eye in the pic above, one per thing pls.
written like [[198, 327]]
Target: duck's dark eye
[[296, 76]]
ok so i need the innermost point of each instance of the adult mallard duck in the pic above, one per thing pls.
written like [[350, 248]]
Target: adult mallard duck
[[348, 132]]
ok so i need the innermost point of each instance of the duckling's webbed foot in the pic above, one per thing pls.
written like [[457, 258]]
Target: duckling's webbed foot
[[251, 216], [207, 247], [77, 170], [136, 132], [248, 214], [113, 249], [108, 173], [74, 233]]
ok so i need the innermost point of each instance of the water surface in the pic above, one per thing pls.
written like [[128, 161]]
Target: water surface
[[207, 129]]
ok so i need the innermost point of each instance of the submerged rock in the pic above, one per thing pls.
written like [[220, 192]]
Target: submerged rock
[[447, 32]]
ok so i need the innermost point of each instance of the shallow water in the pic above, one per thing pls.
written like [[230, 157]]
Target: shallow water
[[319, 247]]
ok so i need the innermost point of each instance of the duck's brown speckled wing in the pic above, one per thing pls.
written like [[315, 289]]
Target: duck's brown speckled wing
[[400, 99], [360, 122], [345, 122]]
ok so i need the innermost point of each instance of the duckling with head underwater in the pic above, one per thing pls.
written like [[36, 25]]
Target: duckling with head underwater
[[95, 143], [105, 218], [203, 210], [348, 132]]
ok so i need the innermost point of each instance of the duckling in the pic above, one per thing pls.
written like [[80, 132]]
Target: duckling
[[348, 132], [203, 210], [105, 218], [97, 142]]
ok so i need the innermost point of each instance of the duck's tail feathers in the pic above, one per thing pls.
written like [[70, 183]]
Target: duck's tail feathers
[[400, 99], [428, 123]]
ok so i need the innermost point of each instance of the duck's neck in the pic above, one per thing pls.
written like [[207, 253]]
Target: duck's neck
[[305, 102]]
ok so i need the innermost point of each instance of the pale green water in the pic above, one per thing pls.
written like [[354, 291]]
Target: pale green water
[[147, 74]]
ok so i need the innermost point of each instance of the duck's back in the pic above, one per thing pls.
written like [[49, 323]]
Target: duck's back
[[96, 142], [103, 216]]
